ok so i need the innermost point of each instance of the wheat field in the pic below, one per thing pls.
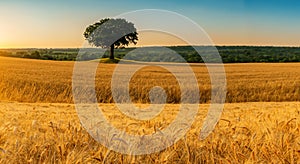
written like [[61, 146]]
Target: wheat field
[[246, 133], [26, 80], [39, 123]]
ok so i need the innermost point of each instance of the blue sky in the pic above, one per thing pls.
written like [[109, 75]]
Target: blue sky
[[55, 23]]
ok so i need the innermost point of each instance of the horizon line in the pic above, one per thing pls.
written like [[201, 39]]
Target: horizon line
[[219, 45]]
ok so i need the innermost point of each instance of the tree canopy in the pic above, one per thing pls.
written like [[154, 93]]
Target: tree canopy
[[111, 33]]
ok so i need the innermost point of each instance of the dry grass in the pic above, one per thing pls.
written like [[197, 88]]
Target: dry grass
[[38, 131], [27, 80], [247, 133]]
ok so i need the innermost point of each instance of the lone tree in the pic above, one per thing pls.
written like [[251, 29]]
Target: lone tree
[[111, 33]]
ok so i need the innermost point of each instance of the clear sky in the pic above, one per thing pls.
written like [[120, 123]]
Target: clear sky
[[61, 23]]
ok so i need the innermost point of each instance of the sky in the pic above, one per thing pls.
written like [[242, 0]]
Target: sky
[[60, 24]]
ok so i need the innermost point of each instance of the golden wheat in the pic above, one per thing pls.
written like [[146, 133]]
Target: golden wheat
[[247, 133], [48, 132], [26, 80]]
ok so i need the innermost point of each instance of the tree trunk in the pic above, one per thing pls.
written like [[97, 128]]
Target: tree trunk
[[112, 55]]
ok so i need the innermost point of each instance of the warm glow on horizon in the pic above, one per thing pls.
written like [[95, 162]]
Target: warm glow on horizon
[[60, 24], [146, 38], [154, 38], [3, 41]]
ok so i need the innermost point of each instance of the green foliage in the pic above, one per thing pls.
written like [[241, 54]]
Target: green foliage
[[245, 54], [229, 54], [111, 33], [107, 32]]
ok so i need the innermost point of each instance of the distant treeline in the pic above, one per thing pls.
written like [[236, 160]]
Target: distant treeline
[[229, 54]]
